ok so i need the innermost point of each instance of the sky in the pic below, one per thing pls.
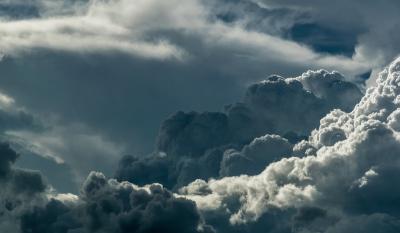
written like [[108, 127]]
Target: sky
[[199, 116]]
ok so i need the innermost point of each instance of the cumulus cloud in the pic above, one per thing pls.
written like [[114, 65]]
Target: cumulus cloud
[[28, 204], [82, 60], [335, 180], [108, 206], [334, 184], [253, 158], [347, 177], [212, 144]]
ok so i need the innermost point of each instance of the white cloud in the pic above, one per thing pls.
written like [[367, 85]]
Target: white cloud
[[143, 28], [5, 101]]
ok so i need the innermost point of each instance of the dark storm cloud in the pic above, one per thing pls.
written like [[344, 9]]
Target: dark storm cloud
[[107, 73], [17, 180], [20, 189], [103, 75], [188, 143], [341, 185], [109, 206], [59, 175], [15, 119], [27, 205]]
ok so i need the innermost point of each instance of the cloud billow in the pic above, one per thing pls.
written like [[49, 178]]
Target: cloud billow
[[20, 190], [338, 182], [109, 206], [216, 144], [343, 186], [28, 204]]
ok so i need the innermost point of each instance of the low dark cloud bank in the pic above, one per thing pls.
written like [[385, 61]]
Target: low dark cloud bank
[[29, 206]]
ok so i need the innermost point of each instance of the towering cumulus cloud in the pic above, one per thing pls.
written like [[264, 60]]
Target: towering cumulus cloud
[[341, 180], [216, 144], [344, 179]]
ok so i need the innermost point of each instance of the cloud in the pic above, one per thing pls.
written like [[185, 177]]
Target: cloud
[[340, 185], [47, 146], [13, 117], [147, 29], [67, 145], [253, 158], [347, 178], [20, 189], [373, 40], [118, 68], [217, 144], [108, 70], [28, 204], [109, 206]]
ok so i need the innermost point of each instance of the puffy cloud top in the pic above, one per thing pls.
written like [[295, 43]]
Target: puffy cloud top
[[27, 204], [337, 182], [347, 177], [212, 144]]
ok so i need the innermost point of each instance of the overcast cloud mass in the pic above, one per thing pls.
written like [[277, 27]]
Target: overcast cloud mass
[[149, 116]]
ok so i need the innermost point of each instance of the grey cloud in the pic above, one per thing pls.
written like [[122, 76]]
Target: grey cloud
[[253, 158], [140, 34], [27, 204], [18, 120], [375, 39], [109, 206], [8, 157], [345, 180], [85, 73], [20, 190], [341, 180], [191, 134], [188, 143], [59, 175], [17, 181], [13, 117]]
